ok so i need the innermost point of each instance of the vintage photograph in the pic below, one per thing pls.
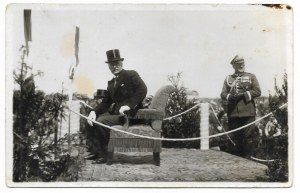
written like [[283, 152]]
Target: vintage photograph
[[149, 95]]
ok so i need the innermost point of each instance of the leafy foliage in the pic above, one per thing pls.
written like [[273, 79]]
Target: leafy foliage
[[273, 147], [38, 154], [278, 170], [185, 126]]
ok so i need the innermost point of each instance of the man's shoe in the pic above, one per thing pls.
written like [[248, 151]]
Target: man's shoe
[[91, 157], [99, 161]]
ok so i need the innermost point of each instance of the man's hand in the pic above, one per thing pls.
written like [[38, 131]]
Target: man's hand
[[92, 116], [235, 97], [239, 96], [123, 109], [232, 98]]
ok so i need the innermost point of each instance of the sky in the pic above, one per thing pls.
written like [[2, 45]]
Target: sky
[[155, 40]]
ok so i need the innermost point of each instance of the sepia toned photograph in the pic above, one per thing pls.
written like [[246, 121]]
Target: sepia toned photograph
[[149, 95]]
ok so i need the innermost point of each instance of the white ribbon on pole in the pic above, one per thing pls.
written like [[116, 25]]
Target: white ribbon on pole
[[71, 77]]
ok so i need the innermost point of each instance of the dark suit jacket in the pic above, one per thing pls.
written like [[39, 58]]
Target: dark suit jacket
[[129, 90]]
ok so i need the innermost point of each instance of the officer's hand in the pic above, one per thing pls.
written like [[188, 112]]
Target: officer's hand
[[240, 96], [123, 109], [92, 116], [232, 98]]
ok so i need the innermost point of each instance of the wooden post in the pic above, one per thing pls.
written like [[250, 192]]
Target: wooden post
[[204, 126]]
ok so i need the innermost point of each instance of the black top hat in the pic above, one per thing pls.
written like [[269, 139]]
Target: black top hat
[[100, 93], [113, 55]]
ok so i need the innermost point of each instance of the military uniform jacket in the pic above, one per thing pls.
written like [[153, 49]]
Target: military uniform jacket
[[128, 89], [245, 83]]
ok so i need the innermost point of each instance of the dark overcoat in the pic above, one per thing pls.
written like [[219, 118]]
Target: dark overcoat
[[127, 89]]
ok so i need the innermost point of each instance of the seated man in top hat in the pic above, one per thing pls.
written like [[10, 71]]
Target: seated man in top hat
[[126, 92]]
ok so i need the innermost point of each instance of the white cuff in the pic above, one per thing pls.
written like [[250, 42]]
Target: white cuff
[[227, 96]]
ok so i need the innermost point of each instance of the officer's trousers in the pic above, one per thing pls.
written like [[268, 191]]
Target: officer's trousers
[[246, 139]]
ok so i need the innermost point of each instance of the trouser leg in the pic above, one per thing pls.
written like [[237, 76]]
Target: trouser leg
[[233, 123], [246, 138], [156, 158], [251, 138], [102, 133], [89, 137]]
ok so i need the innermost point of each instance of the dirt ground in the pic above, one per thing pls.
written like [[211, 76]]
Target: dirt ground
[[177, 165]]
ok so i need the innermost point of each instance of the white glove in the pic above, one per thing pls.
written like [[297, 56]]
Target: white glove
[[124, 108], [277, 133], [92, 116]]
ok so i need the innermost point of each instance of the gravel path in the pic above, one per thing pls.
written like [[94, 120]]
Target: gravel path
[[177, 165]]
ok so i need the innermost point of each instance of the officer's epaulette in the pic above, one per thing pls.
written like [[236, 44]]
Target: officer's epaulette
[[244, 73], [248, 73]]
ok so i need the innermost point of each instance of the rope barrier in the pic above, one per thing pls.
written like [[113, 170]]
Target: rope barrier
[[271, 137], [168, 118], [178, 139], [172, 117], [81, 101], [261, 160]]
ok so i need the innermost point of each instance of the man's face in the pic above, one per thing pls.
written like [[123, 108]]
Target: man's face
[[239, 67], [115, 67]]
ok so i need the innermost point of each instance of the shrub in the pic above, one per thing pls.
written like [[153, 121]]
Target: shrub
[[187, 125], [273, 148], [37, 153], [278, 170]]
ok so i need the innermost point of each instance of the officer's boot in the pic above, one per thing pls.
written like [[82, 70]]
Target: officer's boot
[[109, 158], [156, 157]]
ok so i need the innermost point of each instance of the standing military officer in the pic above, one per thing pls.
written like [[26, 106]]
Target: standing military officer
[[239, 90]]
